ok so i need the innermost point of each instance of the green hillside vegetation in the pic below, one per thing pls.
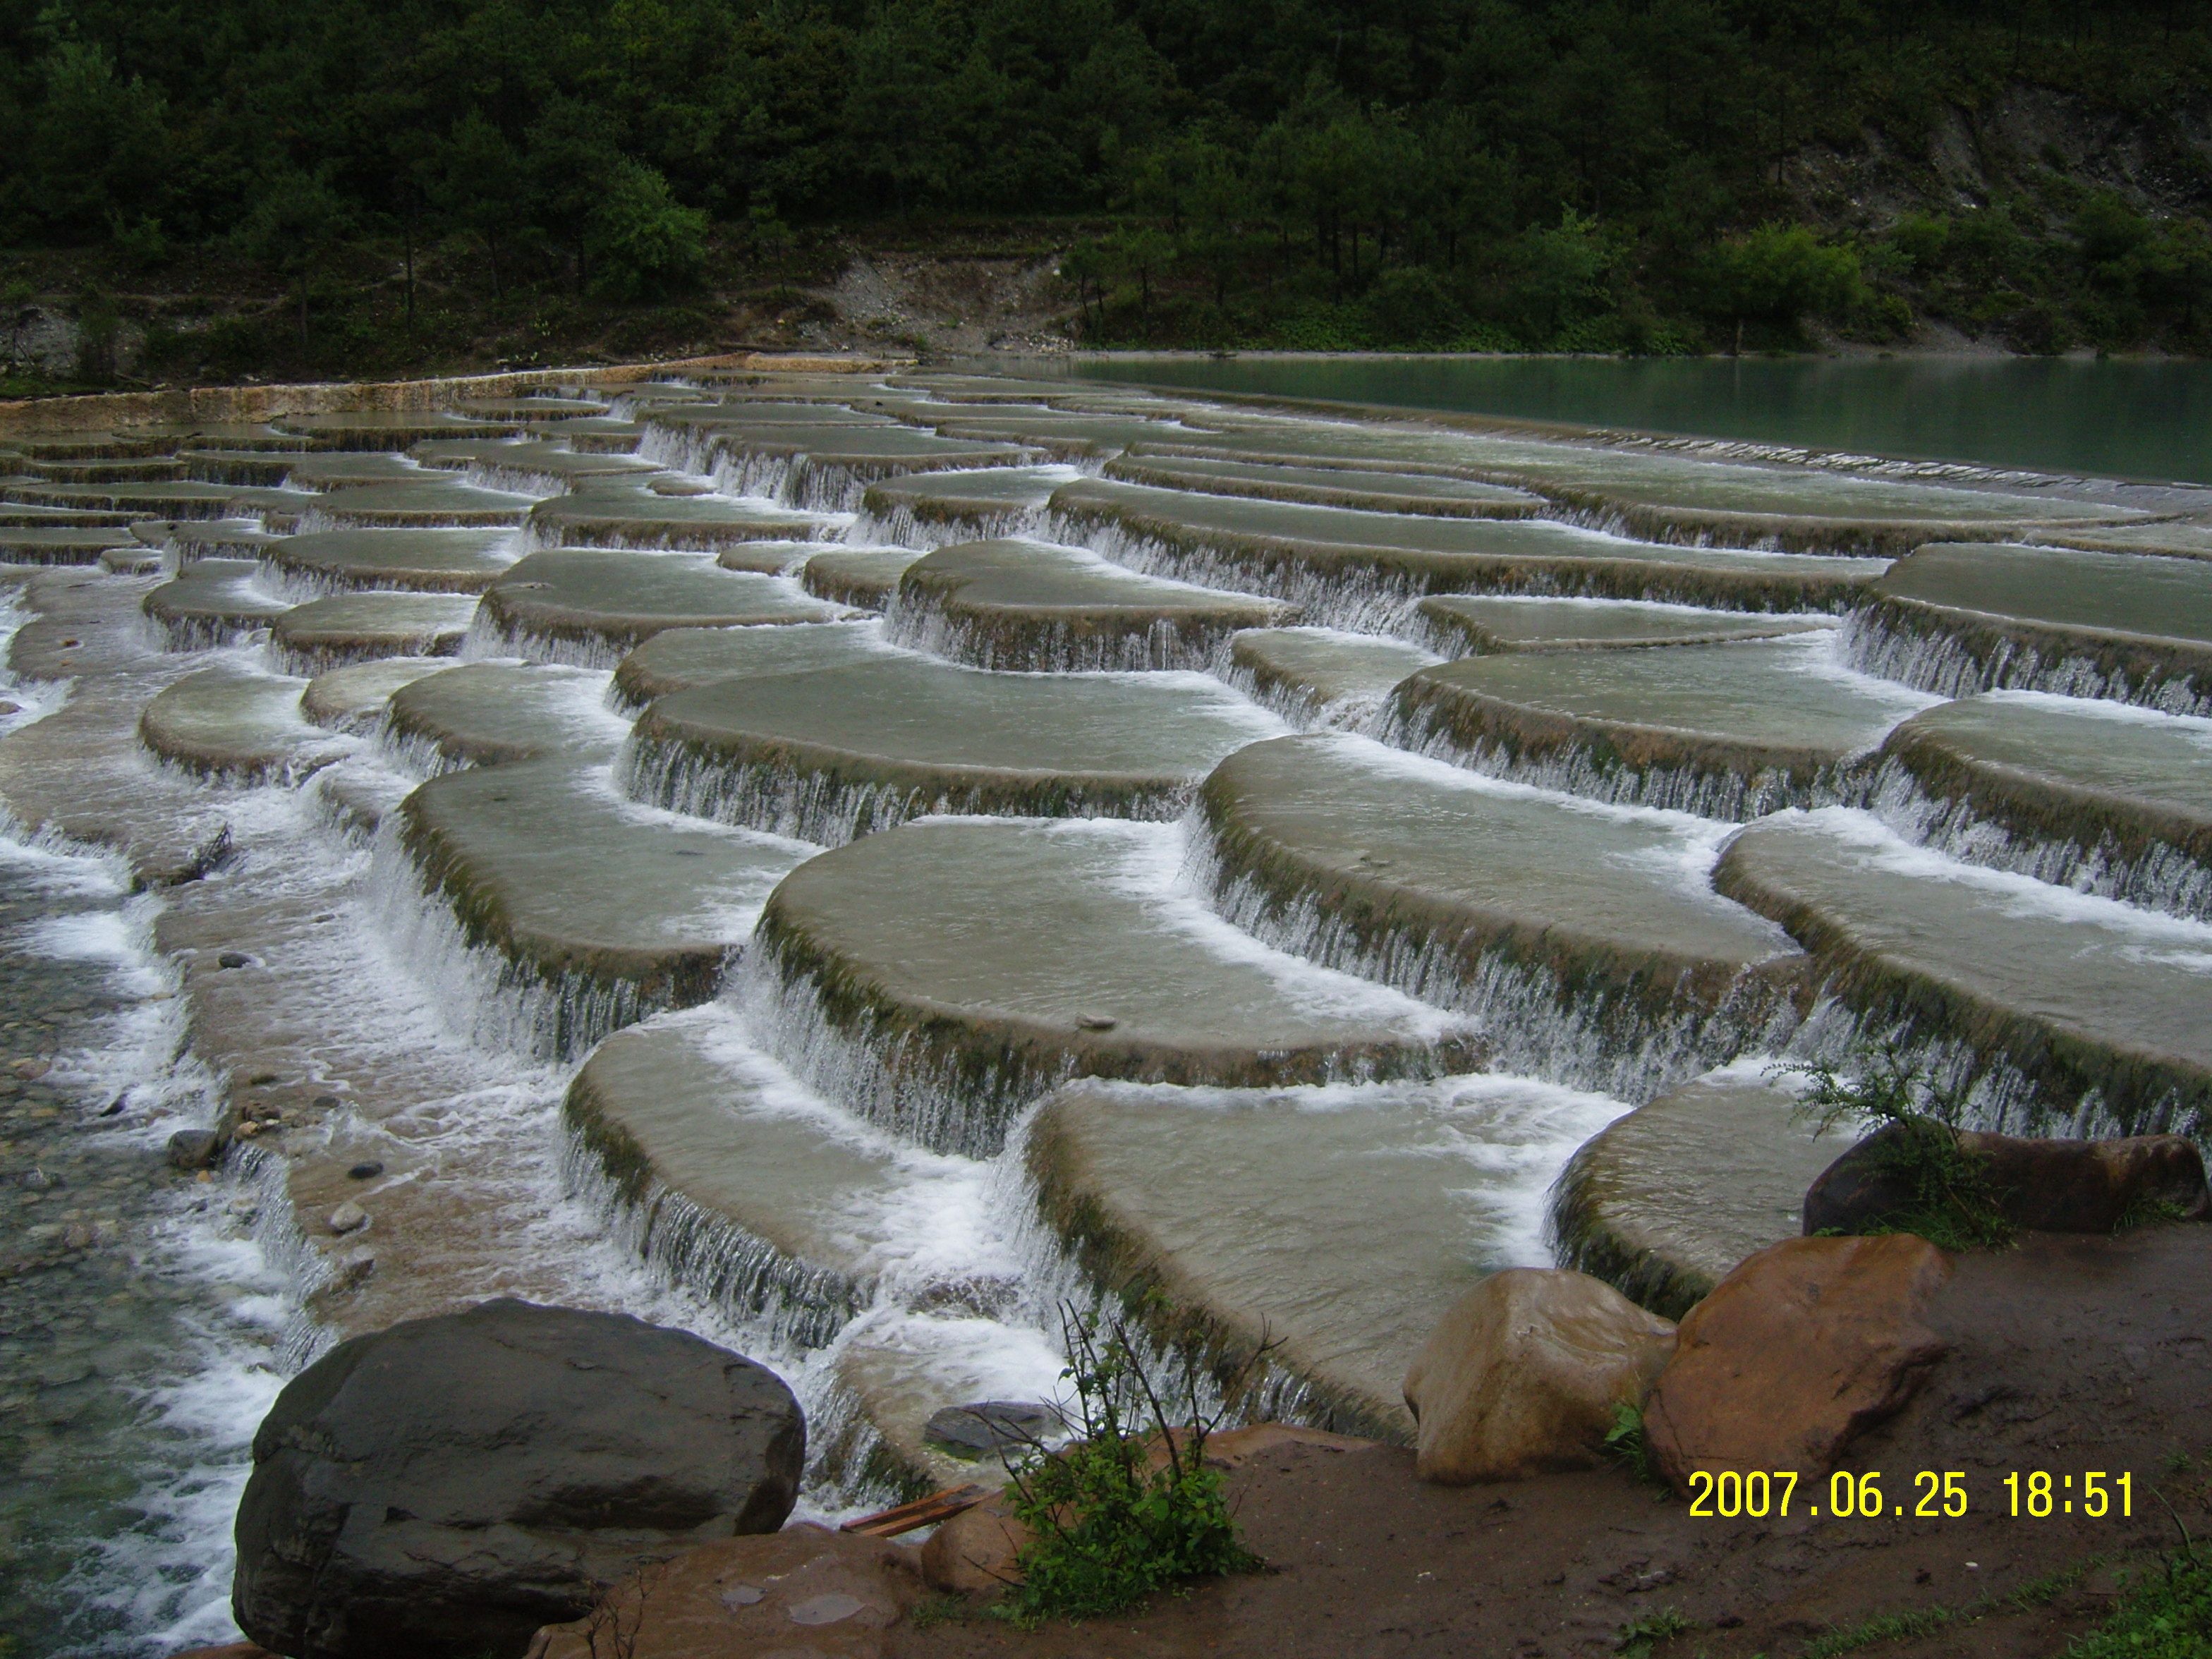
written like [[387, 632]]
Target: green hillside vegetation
[[395, 181]]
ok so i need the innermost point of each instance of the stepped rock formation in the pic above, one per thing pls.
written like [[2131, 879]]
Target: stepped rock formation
[[865, 860]]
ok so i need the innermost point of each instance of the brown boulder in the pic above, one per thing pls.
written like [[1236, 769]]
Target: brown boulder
[[803, 1593], [973, 1553], [1802, 1348], [1521, 1376], [2043, 1186]]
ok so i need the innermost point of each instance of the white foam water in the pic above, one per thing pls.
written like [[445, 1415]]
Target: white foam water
[[1948, 666]]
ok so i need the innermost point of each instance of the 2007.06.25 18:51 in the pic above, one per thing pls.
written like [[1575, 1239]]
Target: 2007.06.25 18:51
[[1729, 1494]]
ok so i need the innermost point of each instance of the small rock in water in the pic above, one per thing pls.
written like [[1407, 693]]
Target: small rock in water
[[7, 708], [192, 1149], [328, 1103], [348, 1217], [368, 1171], [984, 1427], [30, 1067], [1096, 1022], [234, 959], [36, 1180], [114, 1108], [77, 1235]]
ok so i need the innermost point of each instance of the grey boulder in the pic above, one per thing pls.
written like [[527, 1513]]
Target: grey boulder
[[444, 1487]]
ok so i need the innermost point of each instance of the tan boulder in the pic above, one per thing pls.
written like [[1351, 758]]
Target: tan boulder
[[973, 1553], [1521, 1374], [803, 1593], [1802, 1348]]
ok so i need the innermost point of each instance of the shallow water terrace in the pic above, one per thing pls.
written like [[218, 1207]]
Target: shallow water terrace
[[797, 855]]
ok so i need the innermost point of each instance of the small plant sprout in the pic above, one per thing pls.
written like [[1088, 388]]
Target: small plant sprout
[[1640, 1636], [1624, 1443], [1129, 1507], [1950, 1199]]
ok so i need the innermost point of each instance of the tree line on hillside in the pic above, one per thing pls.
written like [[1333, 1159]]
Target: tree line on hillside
[[1603, 174]]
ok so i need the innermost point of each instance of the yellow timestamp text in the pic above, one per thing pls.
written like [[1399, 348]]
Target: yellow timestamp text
[[2036, 1494]]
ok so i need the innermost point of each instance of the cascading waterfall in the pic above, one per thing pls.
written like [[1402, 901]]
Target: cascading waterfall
[[487, 639], [2161, 877], [1360, 601], [1533, 1024], [922, 625], [1702, 793], [753, 1283], [901, 526], [1940, 663], [1984, 1091], [890, 1078], [822, 807]]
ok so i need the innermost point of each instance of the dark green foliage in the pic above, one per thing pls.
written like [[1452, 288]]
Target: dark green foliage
[[645, 243], [1952, 1203], [1446, 173], [1110, 1528], [1779, 273]]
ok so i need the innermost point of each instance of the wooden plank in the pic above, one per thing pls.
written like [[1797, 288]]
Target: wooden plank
[[923, 1512]]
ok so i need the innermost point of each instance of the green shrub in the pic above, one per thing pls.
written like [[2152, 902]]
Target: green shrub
[[1779, 273], [140, 242], [2164, 1616], [1952, 1203], [1108, 1529], [645, 243]]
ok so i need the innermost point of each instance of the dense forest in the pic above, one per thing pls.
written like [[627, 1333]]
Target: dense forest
[[390, 179]]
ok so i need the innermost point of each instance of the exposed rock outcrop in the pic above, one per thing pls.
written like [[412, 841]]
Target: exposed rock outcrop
[[804, 1594]]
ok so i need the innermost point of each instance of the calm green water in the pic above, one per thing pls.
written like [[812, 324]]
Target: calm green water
[[2113, 419]]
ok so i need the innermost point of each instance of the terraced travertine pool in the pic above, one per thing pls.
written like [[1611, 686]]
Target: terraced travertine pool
[[850, 863]]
